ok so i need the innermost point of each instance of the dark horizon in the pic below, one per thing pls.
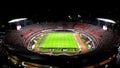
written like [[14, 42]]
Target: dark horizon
[[59, 14]]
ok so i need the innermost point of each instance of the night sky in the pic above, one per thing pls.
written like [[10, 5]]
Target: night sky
[[58, 14]]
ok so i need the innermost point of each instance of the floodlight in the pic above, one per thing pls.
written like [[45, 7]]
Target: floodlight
[[16, 20], [106, 20]]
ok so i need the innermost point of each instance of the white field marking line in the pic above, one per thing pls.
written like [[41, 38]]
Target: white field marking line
[[76, 40]]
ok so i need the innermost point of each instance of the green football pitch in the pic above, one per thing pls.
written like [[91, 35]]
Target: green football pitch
[[58, 41]]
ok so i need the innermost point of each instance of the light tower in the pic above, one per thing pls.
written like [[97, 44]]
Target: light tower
[[16, 23]]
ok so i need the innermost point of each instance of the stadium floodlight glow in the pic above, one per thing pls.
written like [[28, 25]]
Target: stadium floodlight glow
[[18, 27], [79, 16], [16, 20], [106, 20], [105, 27], [70, 17]]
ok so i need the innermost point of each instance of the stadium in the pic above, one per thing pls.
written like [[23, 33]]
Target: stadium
[[32, 37], [59, 45]]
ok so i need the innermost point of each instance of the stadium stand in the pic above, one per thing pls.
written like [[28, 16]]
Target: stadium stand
[[95, 36]]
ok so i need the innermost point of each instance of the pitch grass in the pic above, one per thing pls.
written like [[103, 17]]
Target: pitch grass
[[59, 40]]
